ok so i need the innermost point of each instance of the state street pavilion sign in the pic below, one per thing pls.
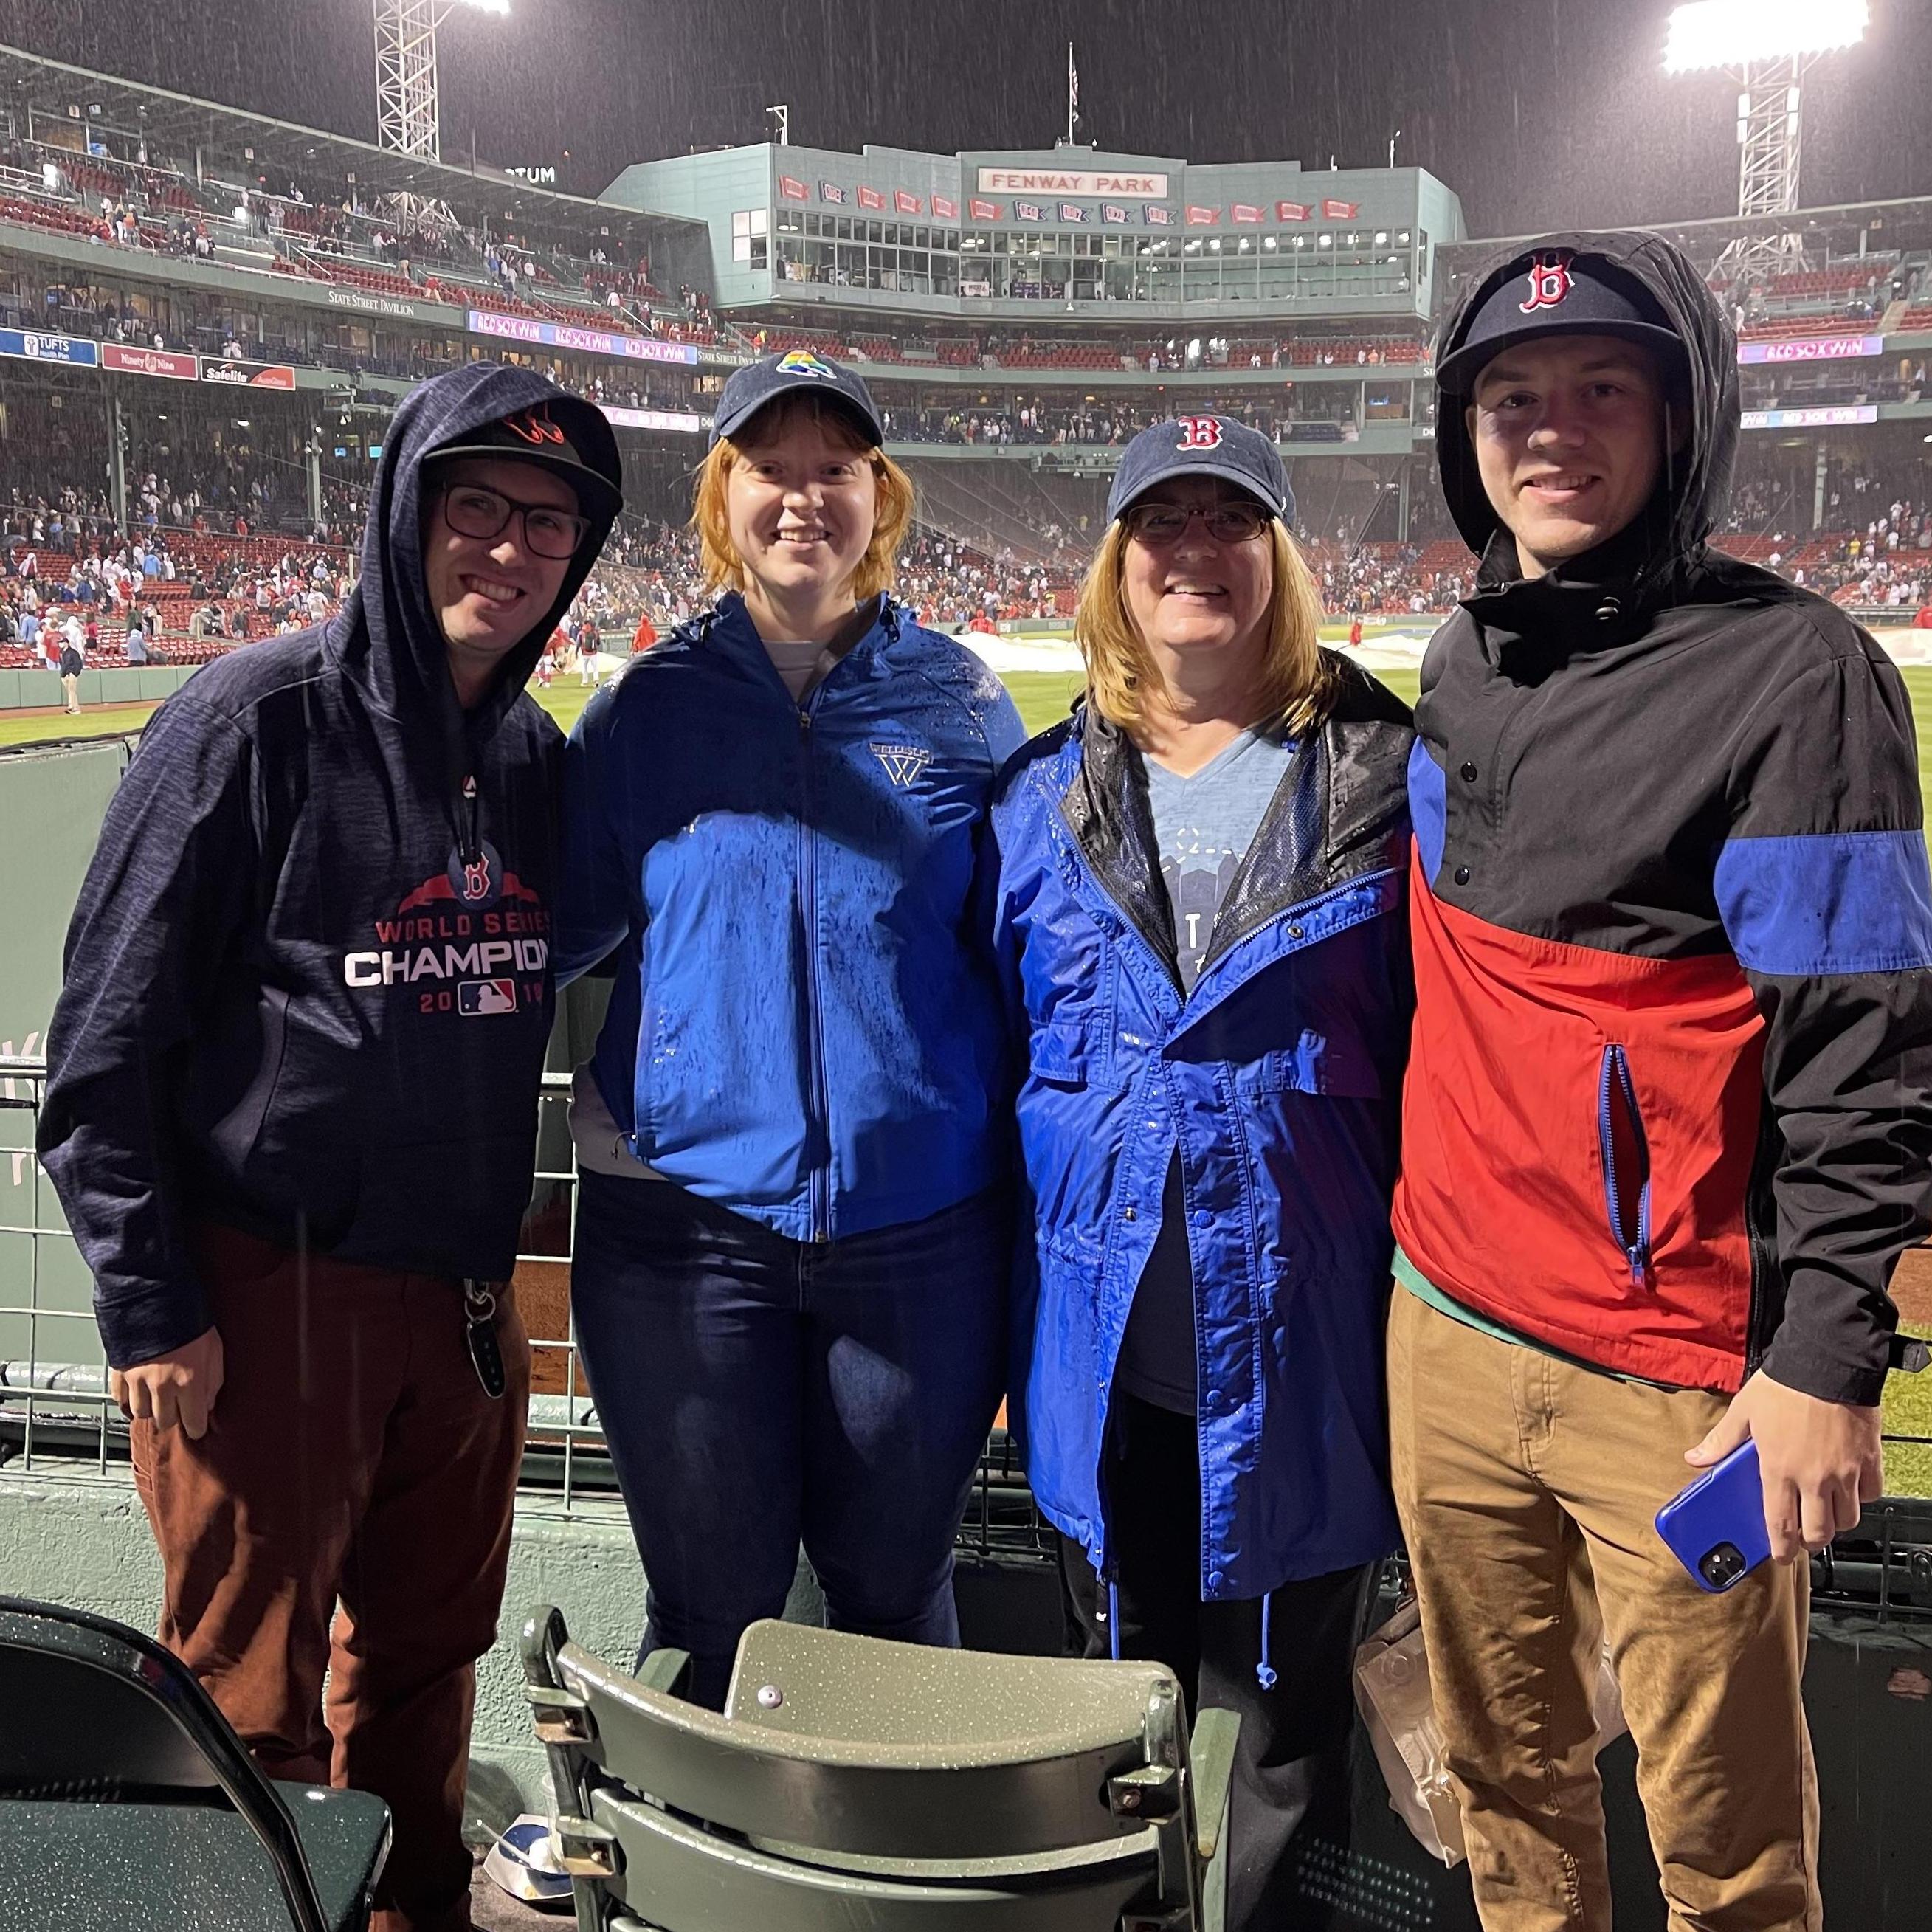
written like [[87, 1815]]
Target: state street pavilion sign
[[1088, 182]]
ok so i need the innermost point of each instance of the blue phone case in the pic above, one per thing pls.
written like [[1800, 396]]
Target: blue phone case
[[1715, 1527]]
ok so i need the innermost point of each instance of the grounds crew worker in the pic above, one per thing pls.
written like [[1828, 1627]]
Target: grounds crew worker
[[292, 1113], [1667, 1125]]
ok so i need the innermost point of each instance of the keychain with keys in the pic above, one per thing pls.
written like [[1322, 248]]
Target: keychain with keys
[[479, 1310]]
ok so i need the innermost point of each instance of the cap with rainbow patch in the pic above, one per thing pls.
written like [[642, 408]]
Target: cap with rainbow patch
[[751, 388]]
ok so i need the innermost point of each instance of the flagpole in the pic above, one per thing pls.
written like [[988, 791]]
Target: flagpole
[[1072, 93]]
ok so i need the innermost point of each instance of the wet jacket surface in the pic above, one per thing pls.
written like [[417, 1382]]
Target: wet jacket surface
[[1669, 1108], [1277, 1079], [804, 1025]]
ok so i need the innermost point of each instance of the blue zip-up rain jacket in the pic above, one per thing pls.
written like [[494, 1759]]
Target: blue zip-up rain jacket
[[806, 1026], [1279, 1078]]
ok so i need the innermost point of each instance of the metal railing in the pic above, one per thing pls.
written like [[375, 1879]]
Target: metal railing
[[56, 1415], [55, 1412]]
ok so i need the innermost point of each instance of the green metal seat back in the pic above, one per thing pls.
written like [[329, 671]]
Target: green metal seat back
[[877, 1765]]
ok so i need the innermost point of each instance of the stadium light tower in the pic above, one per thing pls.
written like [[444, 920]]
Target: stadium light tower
[[1767, 46], [407, 120]]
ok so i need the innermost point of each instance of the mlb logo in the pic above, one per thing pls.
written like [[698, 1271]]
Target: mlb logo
[[486, 996]]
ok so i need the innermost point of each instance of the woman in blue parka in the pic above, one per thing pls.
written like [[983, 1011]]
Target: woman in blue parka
[[1200, 913], [793, 1227]]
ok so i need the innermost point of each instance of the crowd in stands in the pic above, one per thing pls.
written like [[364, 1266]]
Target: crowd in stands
[[325, 230]]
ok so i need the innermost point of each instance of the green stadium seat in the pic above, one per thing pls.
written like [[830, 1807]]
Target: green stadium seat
[[852, 1782]]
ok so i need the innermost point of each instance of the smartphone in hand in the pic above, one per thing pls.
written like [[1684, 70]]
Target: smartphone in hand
[[1716, 1527]]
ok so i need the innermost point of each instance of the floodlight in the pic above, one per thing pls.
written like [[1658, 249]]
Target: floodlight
[[1734, 33]]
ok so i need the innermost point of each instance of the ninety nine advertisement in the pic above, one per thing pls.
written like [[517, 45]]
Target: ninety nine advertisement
[[183, 367]]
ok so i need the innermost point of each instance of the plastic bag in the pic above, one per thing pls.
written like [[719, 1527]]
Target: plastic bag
[[1392, 1692]]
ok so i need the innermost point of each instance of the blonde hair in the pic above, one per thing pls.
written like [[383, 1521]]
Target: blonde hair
[[1299, 683], [892, 517]]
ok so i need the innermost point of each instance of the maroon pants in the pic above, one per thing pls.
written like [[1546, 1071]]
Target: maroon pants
[[348, 1512]]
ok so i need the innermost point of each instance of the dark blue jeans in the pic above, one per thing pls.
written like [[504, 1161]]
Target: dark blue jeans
[[757, 1393]]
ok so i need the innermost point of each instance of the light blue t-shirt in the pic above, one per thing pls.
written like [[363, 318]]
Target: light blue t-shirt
[[1203, 826]]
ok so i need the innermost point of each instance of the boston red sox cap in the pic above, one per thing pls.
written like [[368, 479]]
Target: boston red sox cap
[[760, 382], [559, 436], [1202, 446], [1556, 291]]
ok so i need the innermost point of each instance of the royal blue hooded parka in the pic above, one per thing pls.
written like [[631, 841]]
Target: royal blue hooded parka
[[1278, 1079]]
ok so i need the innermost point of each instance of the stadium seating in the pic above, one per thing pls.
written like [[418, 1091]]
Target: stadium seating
[[851, 1782]]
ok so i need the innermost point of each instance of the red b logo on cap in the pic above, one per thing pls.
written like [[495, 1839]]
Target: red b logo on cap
[[534, 426], [1549, 280], [1199, 432]]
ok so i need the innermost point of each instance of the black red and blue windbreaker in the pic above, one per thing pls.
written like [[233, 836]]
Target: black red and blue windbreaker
[[1668, 1108]]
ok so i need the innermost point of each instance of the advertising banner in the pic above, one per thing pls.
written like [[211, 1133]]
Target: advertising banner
[[148, 362], [1814, 418], [594, 341], [678, 421], [1813, 349], [248, 375], [30, 345]]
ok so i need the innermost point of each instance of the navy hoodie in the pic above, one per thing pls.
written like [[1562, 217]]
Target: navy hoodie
[[307, 983]]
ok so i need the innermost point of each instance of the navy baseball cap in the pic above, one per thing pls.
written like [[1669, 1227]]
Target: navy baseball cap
[[1558, 291], [760, 382], [1202, 446], [566, 436]]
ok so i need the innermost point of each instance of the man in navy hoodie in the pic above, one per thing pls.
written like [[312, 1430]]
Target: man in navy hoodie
[[292, 1113]]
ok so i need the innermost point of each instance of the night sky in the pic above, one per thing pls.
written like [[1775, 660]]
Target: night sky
[[1540, 113]]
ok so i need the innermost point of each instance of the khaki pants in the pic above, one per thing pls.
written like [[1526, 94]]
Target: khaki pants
[[1526, 1488], [348, 1512]]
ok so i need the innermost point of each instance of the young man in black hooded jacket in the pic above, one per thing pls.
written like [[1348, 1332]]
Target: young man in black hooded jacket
[[1667, 1124], [292, 1113]]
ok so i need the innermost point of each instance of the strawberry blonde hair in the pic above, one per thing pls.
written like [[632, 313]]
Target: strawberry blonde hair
[[724, 568]]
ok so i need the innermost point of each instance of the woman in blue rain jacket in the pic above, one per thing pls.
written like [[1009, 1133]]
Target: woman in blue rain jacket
[[1200, 901], [793, 1230]]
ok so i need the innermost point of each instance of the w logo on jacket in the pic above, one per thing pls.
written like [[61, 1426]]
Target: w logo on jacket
[[903, 764]]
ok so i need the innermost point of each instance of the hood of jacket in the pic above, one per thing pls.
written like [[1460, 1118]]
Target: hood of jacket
[[1692, 498], [385, 635]]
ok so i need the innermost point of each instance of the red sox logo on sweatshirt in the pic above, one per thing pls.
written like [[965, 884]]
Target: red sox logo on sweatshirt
[[1549, 280], [471, 940]]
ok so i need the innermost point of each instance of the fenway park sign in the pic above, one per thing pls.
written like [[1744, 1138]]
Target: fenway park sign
[[1088, 182]]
